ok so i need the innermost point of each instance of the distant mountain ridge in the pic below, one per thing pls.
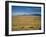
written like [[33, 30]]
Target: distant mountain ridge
[[30, 15]]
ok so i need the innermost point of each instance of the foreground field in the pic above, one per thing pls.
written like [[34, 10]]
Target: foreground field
[[26, 23]]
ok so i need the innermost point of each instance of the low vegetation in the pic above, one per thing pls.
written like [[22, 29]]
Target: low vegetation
[[26, 23]]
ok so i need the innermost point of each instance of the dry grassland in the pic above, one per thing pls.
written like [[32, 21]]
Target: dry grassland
[[26, 23]]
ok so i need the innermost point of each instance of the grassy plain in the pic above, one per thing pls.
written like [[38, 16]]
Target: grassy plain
[[26, 23]]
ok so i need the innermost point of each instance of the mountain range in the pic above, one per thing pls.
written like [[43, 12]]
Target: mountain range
[[30, 15]]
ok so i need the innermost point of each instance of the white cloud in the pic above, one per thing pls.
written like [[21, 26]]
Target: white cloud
[[22, 13]]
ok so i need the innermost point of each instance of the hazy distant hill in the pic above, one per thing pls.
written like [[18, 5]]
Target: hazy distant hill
[[30, 15]]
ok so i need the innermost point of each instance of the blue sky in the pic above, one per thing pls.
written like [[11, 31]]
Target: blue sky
[[20, 10]]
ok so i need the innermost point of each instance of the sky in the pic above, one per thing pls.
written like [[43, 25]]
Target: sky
[[21, 10]]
